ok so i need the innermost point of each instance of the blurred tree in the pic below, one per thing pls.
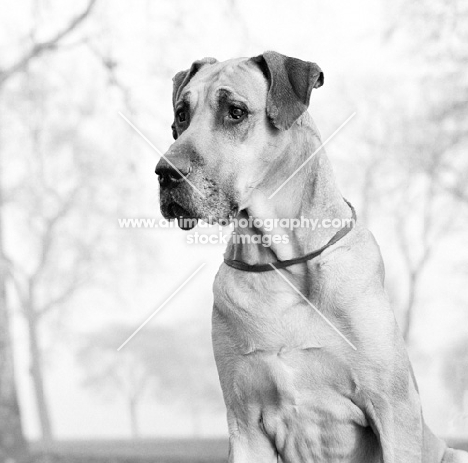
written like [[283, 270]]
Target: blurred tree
[[27, 287], [168, 363], [13, 446], [455, 376], [436, 35], [51, 283], [125, 372], [425, 213], [400, 170], [415, 136]]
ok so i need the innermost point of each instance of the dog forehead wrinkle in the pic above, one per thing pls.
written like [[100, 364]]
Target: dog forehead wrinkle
[[200, 85], [239, 76], [238, 72], [230, 93], [206, 76]]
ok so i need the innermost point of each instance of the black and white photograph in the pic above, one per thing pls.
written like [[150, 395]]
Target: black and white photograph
[[233, 231]]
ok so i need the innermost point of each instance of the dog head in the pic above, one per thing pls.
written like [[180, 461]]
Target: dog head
[[232, 120]]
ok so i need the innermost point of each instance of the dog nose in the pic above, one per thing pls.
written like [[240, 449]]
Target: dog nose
[[170, 173]]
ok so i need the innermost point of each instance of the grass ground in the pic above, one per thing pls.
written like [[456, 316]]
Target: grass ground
[[144, 451], [134, 451]]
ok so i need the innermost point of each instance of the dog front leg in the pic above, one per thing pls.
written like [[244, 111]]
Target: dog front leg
[[243, 449], [249, 445], [396, 418]]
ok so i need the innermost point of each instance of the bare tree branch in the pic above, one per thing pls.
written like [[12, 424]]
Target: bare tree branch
[[64, 296], [51, 225], [76, 281], [39, 48], [458, 190]]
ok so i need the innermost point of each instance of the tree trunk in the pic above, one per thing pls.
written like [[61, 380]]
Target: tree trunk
[[13, 446], [38, 378], [408, 321], [134, 425]]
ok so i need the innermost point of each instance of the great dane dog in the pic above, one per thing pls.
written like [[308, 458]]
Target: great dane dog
[[295, 390]]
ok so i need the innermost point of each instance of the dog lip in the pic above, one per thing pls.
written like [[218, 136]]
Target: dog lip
[[184, 219]]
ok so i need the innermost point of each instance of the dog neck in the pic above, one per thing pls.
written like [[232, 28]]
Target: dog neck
[[311, 197]]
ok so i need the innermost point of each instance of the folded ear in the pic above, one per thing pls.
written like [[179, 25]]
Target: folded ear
[[182, 78], [291, 81]]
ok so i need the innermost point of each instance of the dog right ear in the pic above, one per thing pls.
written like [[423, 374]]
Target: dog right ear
[[291, 81], [182, 78]]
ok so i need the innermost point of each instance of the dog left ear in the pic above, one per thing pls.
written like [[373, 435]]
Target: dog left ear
[[291, 81], [182, 78]]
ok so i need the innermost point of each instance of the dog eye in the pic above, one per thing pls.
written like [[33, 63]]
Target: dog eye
[[236, 113], [181, 116]]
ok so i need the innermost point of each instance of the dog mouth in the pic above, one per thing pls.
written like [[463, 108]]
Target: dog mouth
[[185, 220], [180, 203]]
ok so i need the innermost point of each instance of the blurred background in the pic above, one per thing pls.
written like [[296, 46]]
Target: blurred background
[[74, 284]]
